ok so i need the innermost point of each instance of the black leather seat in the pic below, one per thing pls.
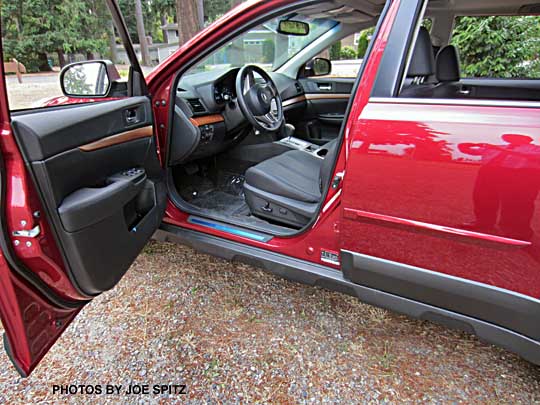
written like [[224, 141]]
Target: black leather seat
[[448, 74], [288, 188], [448, 70], [421, 69]]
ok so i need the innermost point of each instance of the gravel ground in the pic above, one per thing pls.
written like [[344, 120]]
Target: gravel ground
[[33, 89], [233, 333]]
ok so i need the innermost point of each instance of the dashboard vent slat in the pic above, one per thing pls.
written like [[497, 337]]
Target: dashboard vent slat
[[196, 105]]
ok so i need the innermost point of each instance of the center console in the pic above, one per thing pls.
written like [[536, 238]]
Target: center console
[[299, 144]]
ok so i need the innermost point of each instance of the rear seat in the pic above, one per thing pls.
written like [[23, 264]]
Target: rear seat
[[448, 74], [441, 78], [422, 68]]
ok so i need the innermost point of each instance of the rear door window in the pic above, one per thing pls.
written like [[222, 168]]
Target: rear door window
[[498, 47]]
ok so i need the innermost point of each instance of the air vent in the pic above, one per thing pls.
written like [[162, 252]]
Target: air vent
[[196, 105]]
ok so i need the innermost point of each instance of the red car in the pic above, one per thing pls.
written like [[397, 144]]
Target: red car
[[410, 187]]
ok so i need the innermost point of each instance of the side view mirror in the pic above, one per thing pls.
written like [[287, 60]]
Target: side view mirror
[[88, 79], [318, 67]]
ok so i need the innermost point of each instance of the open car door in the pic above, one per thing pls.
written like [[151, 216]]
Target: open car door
[[82, 191]]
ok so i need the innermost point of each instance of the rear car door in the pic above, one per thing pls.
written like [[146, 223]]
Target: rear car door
[[440, 203], [82, 192]]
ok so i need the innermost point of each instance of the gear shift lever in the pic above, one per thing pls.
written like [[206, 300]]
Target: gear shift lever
[[288, 131]]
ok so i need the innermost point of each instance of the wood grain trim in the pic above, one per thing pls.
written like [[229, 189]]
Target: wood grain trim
[[116, 139], [327, 96], [294, 100], [207, 119], [315, 96]]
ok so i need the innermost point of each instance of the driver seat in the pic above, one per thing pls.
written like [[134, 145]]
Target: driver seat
[[288, 188]]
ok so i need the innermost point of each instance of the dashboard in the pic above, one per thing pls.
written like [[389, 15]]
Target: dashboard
[[225, 88], [207, 118]]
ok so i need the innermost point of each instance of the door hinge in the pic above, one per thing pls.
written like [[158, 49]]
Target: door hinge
[[32, 233]]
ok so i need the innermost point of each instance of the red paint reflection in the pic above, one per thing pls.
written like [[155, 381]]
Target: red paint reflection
[[507, 185]]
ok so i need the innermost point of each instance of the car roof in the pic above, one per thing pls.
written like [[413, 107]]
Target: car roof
[[483, 7]]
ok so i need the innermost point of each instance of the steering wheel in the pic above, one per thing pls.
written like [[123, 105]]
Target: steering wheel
[[260, 102]]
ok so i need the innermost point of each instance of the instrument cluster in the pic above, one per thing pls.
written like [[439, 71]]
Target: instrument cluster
[[223, 95], [225, 89]]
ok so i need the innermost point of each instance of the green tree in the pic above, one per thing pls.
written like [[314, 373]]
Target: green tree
[[498, 46], [213, 9], [335, 51], [33, 30], [165, 9], [363, 43]]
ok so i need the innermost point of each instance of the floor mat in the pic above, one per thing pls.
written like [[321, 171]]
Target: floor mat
[[226, 197], [220, 202], [220, 194]]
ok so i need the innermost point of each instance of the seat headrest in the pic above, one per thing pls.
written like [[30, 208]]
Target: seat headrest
[[423, 60], [448, 69]]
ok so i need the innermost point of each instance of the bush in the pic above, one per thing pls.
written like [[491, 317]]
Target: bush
[[268, 50], [347, 52], [362, 44], [498, 46], [335, 51]]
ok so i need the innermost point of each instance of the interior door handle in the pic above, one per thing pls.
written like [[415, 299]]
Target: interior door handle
[[326, 87], [131, 116]]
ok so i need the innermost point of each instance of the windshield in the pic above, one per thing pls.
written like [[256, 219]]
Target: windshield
[[263, 46]]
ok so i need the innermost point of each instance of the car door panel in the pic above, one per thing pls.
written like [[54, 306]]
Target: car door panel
[[100, 181], [439, 207], [326, 103], [82, 191]]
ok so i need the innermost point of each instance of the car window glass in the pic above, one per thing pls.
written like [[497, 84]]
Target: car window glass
[[502, 47], [488, 57], [347, 54], [39, 38], [263, 46]]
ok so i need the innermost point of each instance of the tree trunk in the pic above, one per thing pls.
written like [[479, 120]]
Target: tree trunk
[[236, 50], [187, 19], [112, 43], [200, 13], [61, 58], [141, 32], [44, 63], [165, 32]]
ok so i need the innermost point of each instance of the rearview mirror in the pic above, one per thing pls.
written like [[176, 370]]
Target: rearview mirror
[[318, 67], [88, 79], [292, 27]]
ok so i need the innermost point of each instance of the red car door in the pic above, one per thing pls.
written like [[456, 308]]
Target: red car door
[[82, 192], [438, 205]]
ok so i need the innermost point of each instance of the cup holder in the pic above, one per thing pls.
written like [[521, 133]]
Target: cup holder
[[322, 152]]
